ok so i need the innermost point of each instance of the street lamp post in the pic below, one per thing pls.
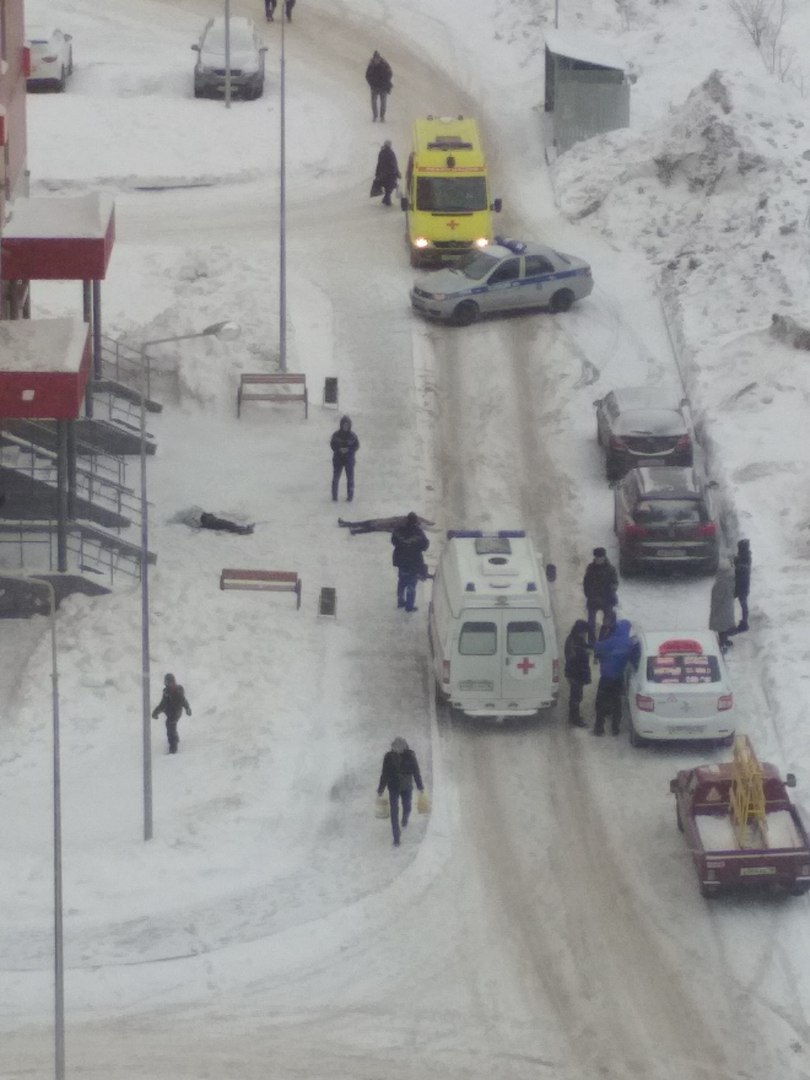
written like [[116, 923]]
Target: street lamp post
[[58, 944], [227, 331]]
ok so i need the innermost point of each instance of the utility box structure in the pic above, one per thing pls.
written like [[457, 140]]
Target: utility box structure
[[587, 90]]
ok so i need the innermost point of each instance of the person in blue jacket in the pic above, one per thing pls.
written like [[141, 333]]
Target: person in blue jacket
[[614, 653], [409, 543]]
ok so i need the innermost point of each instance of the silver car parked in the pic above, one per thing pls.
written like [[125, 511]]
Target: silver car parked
[[508, 275]]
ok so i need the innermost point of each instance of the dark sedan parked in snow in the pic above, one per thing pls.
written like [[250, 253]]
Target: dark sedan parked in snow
[[508, 275], [642, 425]]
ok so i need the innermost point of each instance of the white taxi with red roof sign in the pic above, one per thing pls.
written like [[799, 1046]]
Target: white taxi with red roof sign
[[680, 690], [508, 275]]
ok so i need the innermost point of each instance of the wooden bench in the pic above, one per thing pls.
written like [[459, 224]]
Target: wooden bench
[[271, 388], [263, 580]]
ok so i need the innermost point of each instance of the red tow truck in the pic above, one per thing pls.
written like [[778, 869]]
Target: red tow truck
[[742, 829]]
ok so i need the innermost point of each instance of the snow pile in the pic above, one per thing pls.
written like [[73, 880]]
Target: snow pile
[[716, 195]]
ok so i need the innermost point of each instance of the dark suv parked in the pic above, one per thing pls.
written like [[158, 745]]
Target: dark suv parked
[[663, 521], [642, 425]]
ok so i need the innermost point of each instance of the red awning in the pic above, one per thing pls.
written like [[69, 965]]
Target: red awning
[[44, 367], [58, 239]]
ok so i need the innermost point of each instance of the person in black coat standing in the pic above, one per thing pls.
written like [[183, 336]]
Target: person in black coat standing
[[345, 445], [387, 173], [269, 9], [172, 704], [400, 771], [600, 585], [288, 6], [742, 581], [409, 544], [380, 79], [577, 669]]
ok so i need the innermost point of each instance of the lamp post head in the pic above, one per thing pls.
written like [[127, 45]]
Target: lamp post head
[[225, 331]]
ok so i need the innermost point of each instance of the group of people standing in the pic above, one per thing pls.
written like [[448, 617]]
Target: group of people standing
[[613, 646]]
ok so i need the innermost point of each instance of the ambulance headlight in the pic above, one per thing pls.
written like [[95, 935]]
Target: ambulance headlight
[[481, 242], [421, 242]]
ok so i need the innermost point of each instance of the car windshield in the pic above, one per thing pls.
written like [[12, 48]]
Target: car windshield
[[669, 512], [215, 39], [451, 194], [476, 264]]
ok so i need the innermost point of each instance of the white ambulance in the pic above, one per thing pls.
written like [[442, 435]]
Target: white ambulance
[[492, 634]]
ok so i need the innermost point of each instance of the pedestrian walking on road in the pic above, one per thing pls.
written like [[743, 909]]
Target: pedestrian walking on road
[[721, 607], [269, 9], [288, 6], [400, 771], [410, 543], [600, 585], [345, 445], [614, 653], [172, 705], [379, 78], [387, 174], [577, 670], [742, 581]]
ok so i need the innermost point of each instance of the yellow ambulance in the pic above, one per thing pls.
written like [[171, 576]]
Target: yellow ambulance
[[447, 199]]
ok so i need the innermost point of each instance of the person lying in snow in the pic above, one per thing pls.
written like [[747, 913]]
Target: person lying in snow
[[211, 521], [388, 524]]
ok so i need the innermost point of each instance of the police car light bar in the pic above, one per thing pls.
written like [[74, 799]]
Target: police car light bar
[[517, 247]]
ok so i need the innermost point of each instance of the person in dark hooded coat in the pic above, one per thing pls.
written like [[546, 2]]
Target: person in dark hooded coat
[[387, 173], [600, 585], [742, 581], [577, 669], [380, 80], [400, 771], [614, 653], [409, 543], [344, 444], [172, 705]]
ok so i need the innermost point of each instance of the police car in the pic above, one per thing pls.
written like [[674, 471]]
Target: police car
[[508, 275]]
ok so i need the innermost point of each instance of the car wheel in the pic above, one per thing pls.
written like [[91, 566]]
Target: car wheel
[[465, 313], [635, 738], [70, 63], [62, 81], [562, 300], [797, 890], [708, 892], [678, 818], [626, 566], [713, 565]]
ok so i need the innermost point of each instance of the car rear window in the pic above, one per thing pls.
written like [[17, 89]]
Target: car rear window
[[478, 639], [669, 512], [525, 639], [682, 668]]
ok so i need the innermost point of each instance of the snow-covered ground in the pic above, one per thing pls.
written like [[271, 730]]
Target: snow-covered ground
[[544, 920]]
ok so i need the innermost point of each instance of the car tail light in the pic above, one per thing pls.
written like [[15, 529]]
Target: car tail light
[[644, 703], [725, 702], [635, 532], [683, 443], [707, 531], [617, 443], [555, 670], [446, 671], [26, 62]]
